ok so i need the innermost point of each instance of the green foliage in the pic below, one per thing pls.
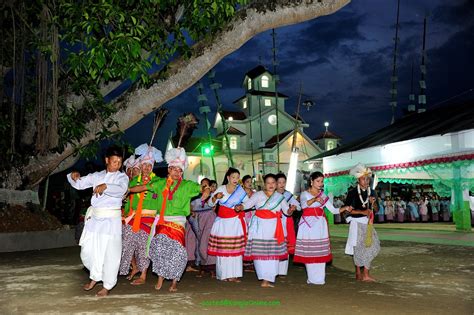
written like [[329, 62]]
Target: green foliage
[[105, 40]]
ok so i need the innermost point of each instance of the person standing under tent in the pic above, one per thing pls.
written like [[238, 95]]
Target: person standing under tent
[[389, 209], [434, 202], [413, 208], [313, 247], [381, 213], [229, 231], [362, 243], [423, 207], [101, 239]]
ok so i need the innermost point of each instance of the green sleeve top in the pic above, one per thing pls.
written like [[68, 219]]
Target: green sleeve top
[[180, 204], [150, 201]]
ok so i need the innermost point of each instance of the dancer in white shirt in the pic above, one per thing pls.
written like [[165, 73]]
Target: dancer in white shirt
[[101, 240]]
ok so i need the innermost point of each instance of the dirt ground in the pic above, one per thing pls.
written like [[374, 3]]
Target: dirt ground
[[413, 278]]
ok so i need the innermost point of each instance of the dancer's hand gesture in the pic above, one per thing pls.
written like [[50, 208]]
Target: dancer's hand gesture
[[99, 190], [75, 176]]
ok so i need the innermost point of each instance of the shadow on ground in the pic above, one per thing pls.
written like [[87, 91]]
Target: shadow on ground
[[413, 279]]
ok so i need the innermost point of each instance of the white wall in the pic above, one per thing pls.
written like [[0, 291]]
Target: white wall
[[404, 151]]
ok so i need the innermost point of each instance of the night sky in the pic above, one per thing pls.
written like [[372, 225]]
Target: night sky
[[344, 63]]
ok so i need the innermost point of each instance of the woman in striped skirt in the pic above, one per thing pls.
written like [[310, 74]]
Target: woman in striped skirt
[[228, 233], [266, 244], [313, 247]]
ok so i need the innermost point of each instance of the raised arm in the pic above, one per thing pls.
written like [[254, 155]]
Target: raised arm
[[80, 183]]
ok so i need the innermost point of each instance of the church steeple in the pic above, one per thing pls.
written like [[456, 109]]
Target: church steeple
[[259, 87]]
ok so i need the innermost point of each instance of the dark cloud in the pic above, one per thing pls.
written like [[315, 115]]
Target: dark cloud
[[455, 13], [344, 63]]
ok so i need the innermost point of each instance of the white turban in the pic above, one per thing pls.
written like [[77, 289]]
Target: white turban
[[148, 154], [360, 170], [131, 162], [177, 157]]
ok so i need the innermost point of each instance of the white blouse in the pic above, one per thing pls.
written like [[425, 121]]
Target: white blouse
[[259, 198], [306, 196]]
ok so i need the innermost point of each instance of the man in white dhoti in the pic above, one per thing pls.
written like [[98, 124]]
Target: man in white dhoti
[[101, 240]]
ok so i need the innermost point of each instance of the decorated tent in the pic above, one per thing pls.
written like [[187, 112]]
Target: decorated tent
[[435, 148]]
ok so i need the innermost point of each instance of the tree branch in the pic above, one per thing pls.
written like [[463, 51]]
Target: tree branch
[[183, 73]]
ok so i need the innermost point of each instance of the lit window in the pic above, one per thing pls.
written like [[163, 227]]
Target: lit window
[[330, 145], [272, 119], [249, 84], [231, 118], [233, 143], [224, 143], [264, 81], [268, 102], [244, 103]]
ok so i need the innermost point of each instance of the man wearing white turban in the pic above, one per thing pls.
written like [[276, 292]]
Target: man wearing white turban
[[362, 241]]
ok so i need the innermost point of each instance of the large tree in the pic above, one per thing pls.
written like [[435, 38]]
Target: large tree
[[64, 56]]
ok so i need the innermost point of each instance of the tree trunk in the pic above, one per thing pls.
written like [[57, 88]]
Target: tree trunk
[[182, 74]]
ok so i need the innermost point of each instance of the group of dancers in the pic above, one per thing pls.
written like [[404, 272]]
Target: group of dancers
[[137, 218]]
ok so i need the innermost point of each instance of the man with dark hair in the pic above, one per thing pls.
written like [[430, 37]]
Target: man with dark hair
[[101, 240]]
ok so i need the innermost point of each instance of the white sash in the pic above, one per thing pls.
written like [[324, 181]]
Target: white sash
[[109, 212], [352, 237]]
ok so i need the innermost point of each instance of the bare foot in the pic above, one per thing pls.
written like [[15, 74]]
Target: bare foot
[[159, 284], [200, 274], [266, 284], [102, 293], [233, 280], [138, 281], [89, 286], [358, 277], [368, 279], [174, 286], [191, 269], [132, 274]]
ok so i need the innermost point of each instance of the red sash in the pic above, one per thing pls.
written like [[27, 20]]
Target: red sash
[[316, 212], [226, 213], [172, 230], [268, 214], [291, 234]]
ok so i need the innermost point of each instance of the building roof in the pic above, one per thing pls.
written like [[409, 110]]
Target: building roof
[[233, 131], [438, 121], [299, 118], [234, 115], [273, 140], [255, 72], [261, 93], [327, 135]]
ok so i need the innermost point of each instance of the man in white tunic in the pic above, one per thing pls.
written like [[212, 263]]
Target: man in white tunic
[[101, 240]]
